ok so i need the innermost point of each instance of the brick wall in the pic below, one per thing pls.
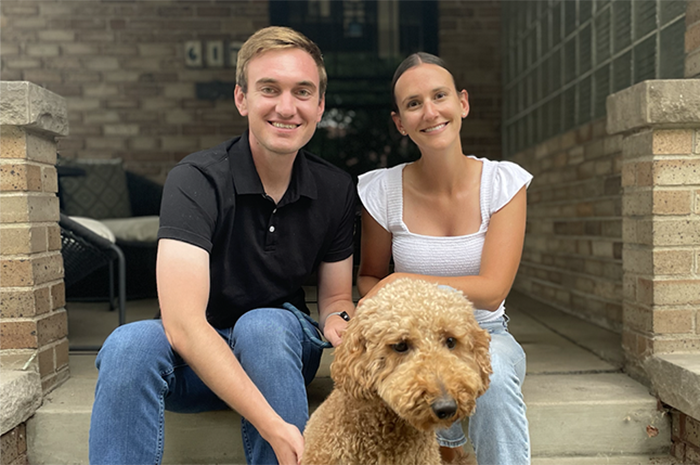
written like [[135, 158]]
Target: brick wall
[[572, 257], [470, 42], [14, 446], [121, 67], [685, 435]]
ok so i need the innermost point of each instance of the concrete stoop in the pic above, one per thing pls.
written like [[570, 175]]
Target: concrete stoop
[[604, 418], [582, 409]]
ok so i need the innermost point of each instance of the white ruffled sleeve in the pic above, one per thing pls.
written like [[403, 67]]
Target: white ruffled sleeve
[[508, 181], [371, 188]]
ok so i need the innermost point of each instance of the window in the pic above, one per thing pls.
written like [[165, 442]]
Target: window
[[584, 50], [362, 43]]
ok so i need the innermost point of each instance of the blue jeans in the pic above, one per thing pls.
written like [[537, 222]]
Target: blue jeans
[[498, 429], [140, 376]]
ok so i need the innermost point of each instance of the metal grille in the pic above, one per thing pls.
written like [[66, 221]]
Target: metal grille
[[562, 58]]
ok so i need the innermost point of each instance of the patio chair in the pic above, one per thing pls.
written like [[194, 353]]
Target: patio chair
[[87, 246], [127, 204]]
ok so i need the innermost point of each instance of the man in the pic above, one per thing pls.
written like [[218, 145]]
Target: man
[[243, 226]]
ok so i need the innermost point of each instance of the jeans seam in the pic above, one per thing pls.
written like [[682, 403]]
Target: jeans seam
[[246, 441], [161, 424]]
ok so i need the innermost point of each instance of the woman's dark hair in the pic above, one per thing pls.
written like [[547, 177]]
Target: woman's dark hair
[[412, 60]]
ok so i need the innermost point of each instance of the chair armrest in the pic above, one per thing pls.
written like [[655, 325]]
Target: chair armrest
[[87, 234]]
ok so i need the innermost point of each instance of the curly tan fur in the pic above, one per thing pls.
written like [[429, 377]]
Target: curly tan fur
[[380, 411]]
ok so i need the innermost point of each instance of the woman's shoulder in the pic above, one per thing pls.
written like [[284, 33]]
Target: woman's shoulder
[[504, 169], [378, 176]]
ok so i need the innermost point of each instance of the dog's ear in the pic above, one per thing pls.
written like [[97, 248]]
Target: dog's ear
[[481, 339], [349, 368]]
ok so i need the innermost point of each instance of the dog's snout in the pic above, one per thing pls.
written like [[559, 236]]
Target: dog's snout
[[444, 408]]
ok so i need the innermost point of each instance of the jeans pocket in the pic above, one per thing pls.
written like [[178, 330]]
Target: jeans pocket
[[309, 326]]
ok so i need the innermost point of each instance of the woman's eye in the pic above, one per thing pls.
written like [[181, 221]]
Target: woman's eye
[[400, 347], [450, 342]]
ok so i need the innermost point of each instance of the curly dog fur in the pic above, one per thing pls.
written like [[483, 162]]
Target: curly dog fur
[[413, 359]]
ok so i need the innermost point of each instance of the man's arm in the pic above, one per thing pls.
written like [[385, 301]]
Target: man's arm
[[183, 290], [334, 295]]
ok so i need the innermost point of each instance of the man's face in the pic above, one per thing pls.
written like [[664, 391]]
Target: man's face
[[283, 103]]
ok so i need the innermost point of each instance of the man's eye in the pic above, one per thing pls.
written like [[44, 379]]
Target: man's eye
[[304, 93], [400, 347], [267, 90]]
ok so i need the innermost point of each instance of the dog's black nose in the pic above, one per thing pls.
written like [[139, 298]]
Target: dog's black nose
[[444, 408]]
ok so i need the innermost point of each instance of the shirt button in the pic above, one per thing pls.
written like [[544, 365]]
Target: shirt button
[[274, 211], [272, 229]]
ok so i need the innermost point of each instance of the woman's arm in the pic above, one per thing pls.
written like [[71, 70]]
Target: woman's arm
[[375, 254], [500, 258]]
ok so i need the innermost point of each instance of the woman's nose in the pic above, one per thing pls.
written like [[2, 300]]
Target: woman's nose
[[430, 111]]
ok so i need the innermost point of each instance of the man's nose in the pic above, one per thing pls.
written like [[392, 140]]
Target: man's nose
[[285, 105]]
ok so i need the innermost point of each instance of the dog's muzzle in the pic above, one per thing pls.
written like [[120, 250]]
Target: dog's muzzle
[[444, 408]]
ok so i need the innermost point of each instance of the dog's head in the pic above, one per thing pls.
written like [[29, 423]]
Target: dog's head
[[418, 347]]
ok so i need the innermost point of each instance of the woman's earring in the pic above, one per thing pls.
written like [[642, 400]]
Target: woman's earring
[[403, 132], [464, 115]]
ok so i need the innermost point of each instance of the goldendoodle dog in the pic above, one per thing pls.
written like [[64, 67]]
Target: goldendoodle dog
[[413, 359]]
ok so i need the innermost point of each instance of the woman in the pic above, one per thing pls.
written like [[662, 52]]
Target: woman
[[460, 221]]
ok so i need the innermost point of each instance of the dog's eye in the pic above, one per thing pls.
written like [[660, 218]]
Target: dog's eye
[[450, 342], [400, 347]]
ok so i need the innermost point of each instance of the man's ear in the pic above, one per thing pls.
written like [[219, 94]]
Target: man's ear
[[239, 98], [321, 108], [397, 121]]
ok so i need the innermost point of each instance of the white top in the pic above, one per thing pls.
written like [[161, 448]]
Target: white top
[[381, 192]]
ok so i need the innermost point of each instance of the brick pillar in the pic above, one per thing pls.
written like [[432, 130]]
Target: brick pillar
[[660, 123], [33, 322]]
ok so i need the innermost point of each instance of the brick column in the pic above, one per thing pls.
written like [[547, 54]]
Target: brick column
[[33, 322], [660, 122]]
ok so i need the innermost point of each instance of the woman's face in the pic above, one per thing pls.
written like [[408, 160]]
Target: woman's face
[[430, 107]]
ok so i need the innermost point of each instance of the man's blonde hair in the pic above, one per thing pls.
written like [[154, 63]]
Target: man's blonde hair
[[277, 38]]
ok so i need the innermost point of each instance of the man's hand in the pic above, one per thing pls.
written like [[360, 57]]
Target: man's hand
[[335, 295], [333, 329], [288, 443]]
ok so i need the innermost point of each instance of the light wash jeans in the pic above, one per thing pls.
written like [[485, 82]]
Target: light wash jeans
[[498, 429], [140, 376]]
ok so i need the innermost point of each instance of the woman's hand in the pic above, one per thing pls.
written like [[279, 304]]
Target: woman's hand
[[383, 282]]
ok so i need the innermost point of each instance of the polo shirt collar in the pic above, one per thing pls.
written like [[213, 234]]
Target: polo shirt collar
[[247, 181]]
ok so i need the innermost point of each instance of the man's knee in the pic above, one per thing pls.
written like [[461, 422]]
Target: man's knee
[[267, 336], [133, 346], [266, 326]]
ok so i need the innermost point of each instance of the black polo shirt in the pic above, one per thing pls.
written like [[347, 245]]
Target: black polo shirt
[[260, 254]]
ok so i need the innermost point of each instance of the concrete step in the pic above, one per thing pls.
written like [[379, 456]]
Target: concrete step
[[606, 460], [582, 409], [593, 414], [579, 417]]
